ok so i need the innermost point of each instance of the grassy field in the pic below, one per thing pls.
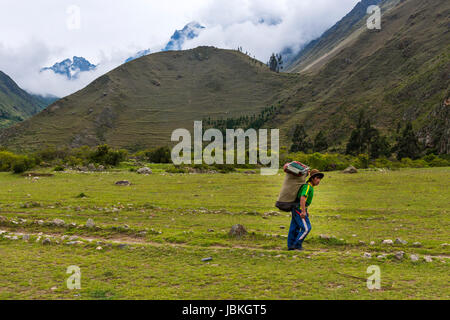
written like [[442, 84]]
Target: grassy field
[[150, 237]]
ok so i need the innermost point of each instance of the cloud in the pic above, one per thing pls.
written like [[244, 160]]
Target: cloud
[[262, 27]]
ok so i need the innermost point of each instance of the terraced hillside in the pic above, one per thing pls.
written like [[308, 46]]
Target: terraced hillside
[[140, 103]]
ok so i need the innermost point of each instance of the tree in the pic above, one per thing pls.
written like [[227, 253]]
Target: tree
[[280, 62], [407, 144], [366, 139], [273, 63], [300, 140], [379, 147], [320, 142]]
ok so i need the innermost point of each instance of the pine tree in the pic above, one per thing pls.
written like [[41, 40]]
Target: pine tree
[[300, 140], [273, 63], [320, 142], [408, 144], [280, 62]]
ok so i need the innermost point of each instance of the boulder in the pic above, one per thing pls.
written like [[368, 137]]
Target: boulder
[[350, 170], [90, 223], [123, 183], [59, 222], [400, 241], [414, 258], [144, 170], [237, 230], [399, 255]]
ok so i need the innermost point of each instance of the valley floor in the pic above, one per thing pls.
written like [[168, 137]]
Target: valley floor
[[149, 238]]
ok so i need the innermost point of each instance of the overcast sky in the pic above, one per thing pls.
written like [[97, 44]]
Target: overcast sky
[[34, 34]]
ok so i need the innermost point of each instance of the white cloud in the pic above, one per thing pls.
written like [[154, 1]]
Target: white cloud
[[35, 33]]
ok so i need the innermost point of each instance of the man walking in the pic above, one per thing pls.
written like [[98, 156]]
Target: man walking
[[300, 224]]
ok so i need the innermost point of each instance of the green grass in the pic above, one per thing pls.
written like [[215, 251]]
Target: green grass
[[172, 222]]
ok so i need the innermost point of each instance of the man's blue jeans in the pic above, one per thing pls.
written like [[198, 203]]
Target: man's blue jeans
[[299, 229]]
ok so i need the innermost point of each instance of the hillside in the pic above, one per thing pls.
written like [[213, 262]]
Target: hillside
[[397, 74], [15, 103], [140, 103], [340, 34]]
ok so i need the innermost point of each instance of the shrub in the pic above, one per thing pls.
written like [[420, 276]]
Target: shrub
[[160, 155], [22, 164]]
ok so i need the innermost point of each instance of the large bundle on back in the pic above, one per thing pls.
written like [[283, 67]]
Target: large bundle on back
[[296, 174]]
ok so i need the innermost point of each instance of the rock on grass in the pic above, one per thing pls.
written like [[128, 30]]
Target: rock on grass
[[237, 230]]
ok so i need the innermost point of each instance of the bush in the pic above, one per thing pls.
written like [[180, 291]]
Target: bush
[[106, 156], [16, 163], [160, 155], [22, 164]]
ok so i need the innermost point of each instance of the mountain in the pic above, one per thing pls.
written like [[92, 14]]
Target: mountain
[[138, 55], [140, 103], [15, 103], [71, 69], [44, 101], [397, 74], [189, 32], [332, 37]]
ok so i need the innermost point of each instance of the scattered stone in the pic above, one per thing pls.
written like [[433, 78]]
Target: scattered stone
[[417, 244], [122, 246], [414, 258], [237, 230], [54, 288], [91, 167], [71, 243], [144, 170], [325, 237], [59, 222], [207, 259], [428, 259], [399, 255], [350, 170], [210, 230], [73, 238], [382, 256], [361, 242], [90, 223], [367, 255], [26, 237], [46, 241], [400, 241], [388, 241], [99, 248], [372, 243], [123, 183], [38, 239], [444, 245]]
